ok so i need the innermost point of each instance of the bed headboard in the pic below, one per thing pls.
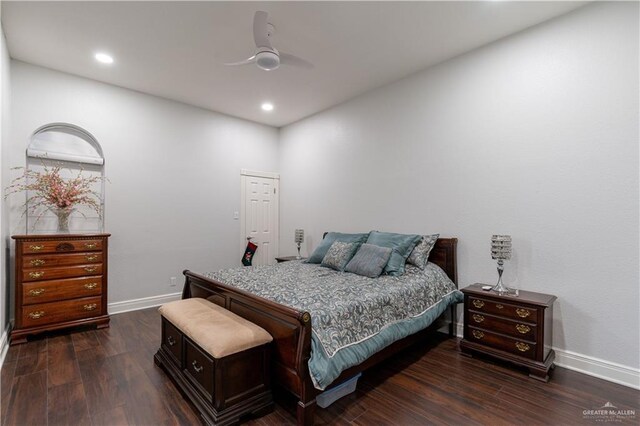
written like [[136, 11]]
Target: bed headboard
[[443, 254]]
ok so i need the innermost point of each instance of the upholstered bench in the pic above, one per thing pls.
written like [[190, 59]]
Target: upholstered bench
[[218, 360]]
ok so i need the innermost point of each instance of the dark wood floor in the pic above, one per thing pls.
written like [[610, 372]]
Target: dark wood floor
[[108, 377]]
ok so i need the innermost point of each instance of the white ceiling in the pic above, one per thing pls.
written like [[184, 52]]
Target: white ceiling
[[176, 49]]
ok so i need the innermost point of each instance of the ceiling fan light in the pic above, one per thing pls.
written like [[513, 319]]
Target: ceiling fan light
[[267, 60]]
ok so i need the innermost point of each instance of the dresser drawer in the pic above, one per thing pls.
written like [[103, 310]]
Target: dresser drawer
[[199, 367], [40, 274], [515, 346], [54, 290], [67, 310], [520, 313], [48, 260], [58, 246], [504, 326], [172, 340]]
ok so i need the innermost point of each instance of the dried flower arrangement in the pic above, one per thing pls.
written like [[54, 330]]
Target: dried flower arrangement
[[51, 191]]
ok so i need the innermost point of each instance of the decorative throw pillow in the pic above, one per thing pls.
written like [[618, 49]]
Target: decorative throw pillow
[[339, 254], [369, 261], [420, 255], [401, 244], [320, 251]]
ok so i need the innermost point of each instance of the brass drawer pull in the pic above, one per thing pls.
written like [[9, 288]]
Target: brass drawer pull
[[524, 329], [171, 341], [36, 314], [478, 318], [90, 307], [499, 306], [197, 368], [37, 262], [478, 334], [90, 268], [522, 347], [36, 291], [90, 245], [36, 247], [90, 286], [523, 313], [478, 303], [36, 274], [91, 257]]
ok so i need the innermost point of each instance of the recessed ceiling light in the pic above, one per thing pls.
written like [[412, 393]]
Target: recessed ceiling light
[[104, 58], [267, 106]]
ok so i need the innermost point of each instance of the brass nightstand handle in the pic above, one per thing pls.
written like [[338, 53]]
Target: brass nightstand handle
[[36, 291], [523, 313], [91, 257], [90, 286], [90, 245], [90, 307], [478, 303], [524, 329], [36, 274], [36, 247], [522, 347], [478, 334], [196, 367], [171, 341], [90, 268], [36, 314], [499, 306], [37, 262], [477, 318]]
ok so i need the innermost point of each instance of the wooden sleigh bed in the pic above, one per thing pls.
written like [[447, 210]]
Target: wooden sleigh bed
[[291, 329]]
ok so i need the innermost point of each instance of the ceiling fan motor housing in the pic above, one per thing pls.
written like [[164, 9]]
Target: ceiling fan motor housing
[[267, 60]]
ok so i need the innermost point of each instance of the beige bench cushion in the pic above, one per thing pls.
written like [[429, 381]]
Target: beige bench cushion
[[218, 331]]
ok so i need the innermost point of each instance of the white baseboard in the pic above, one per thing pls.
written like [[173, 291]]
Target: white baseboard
[[4, 345], [606, 370], [143, 303]]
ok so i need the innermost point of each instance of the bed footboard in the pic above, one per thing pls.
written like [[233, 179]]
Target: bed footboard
[[291, 329]]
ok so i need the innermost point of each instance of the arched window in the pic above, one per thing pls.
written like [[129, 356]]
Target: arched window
[[76, 151]]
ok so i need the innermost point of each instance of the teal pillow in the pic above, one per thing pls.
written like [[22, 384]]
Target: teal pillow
[[369, 261], [339, 254], [401, 246], [321, 251]]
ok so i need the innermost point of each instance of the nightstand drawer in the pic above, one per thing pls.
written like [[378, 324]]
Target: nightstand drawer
[[516, 312], [514, 346], [503, 326]]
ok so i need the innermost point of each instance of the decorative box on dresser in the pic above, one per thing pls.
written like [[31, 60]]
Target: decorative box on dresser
[[60, 282], [513, 328]]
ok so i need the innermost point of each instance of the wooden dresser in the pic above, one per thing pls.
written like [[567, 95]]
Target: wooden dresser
[[61, 281], [514, 329]]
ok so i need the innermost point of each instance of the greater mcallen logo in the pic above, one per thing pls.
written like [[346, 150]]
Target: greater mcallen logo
[[609, 413]]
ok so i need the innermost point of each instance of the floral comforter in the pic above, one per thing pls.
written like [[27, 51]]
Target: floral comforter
[[352, 316]]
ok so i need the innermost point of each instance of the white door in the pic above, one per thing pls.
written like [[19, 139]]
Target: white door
[[259, 214]]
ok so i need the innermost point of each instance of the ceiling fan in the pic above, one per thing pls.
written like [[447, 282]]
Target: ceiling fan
[[268, 57]]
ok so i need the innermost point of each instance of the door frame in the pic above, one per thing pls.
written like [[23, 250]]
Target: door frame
[[244, 173]]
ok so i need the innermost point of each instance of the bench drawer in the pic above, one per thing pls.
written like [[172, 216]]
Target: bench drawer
[[172, 341], [199, 367]]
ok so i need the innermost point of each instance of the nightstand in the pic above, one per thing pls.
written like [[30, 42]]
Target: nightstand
[[514, 329], [287, 258]]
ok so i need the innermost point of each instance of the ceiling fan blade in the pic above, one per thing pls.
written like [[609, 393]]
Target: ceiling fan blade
[[260, 30], [293, 60], [246, 61]]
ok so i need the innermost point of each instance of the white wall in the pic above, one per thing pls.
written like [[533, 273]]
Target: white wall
[[5, 95], [535, 136], [174, 172]]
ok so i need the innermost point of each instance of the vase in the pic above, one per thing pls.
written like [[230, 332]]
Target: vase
[[63, 218]]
